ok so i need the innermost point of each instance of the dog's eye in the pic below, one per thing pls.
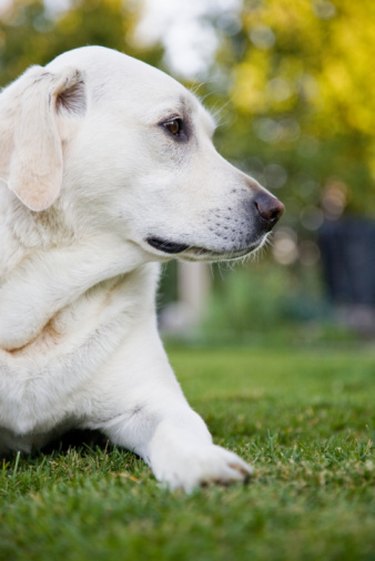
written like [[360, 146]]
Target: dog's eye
[[175, 126]]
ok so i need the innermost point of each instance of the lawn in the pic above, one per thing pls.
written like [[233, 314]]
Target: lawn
[[303, 417]]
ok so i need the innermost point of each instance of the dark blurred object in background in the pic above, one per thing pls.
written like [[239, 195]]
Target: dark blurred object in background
[[348, 257]]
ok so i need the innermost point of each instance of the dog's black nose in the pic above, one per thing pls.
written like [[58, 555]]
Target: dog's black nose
[[269, 208]]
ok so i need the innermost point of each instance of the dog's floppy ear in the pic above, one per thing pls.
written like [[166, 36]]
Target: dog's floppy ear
[[35, 159]]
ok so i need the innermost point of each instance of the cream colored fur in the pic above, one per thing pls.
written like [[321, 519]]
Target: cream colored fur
[[89, 174]]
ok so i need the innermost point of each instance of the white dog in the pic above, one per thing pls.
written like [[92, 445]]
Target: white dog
[[107, 169]]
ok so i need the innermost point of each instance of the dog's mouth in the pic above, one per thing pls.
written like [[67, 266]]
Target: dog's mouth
[[195, 253], [166, 246]]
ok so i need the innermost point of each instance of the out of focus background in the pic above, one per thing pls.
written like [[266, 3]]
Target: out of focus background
[[291, 85]]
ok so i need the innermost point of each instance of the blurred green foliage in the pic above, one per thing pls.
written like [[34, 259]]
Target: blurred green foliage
[[300, 119], [259, 299], [303, 111], [30, 33]]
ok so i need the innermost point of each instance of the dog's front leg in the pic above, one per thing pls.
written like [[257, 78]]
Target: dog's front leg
[[160, 426], [176, 444], [182, 455]]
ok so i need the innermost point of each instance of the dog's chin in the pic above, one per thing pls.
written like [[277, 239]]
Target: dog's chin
[[187, 252]]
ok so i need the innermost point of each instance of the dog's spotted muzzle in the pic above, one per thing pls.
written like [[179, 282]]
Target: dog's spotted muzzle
[[265, 211]]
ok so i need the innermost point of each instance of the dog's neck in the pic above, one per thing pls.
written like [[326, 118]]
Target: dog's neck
[[45, 268], [37, 230]]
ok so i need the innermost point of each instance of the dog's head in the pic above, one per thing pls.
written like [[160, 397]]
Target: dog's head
[[130, 149]]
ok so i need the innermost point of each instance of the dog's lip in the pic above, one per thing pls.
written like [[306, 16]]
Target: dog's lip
[[195, 253], [201, 254], [166, 246]]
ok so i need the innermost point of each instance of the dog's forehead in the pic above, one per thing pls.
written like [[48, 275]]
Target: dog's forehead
[[122, 79], [127, 83], [115, 74]]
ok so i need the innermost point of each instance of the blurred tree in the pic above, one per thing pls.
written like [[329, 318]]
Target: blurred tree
[[302, 114], [31, 34], [303, 105]]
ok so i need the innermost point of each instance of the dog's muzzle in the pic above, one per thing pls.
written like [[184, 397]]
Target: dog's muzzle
[[265, 210]]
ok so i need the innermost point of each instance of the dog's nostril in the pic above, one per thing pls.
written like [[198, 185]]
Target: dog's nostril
[[269, 208]]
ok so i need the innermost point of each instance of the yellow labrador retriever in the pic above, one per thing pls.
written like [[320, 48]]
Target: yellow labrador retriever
[[107, 169]]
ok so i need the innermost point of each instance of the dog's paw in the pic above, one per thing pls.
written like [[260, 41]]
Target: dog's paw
[[201, 466]]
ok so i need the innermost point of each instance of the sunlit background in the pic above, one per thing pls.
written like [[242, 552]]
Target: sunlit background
[[291, 85]]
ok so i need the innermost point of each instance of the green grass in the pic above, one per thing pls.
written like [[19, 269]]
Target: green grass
[[303, 417]]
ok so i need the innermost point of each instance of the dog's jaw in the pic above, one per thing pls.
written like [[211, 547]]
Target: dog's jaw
[[185, 252]]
